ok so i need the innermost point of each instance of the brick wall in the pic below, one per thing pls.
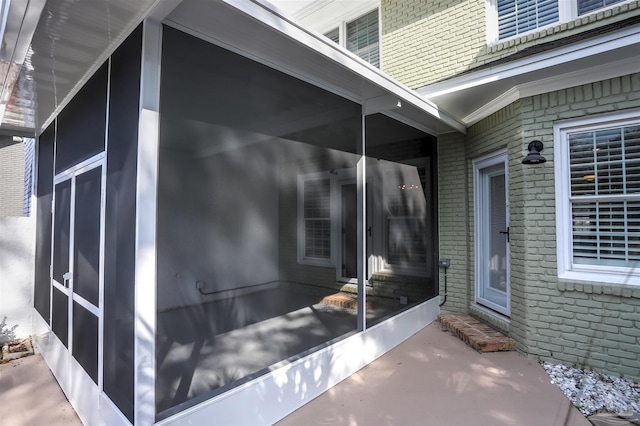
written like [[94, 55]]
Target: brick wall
[[453, 224], [424, 41], [575, 322], [12, 163]]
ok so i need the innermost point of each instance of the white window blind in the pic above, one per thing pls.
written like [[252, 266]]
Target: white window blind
[[586, 6], [363, 38], [605, 196], [317, 218], [518, 16], [333, 35]]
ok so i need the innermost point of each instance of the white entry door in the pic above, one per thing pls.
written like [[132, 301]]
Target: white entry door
[[76, 278], [492, 281]]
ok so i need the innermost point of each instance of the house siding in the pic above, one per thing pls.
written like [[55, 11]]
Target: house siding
[[588, 324], [12, 168], [407, 25]]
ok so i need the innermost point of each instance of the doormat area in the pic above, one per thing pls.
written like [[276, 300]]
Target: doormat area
[[479, 336], [15, 349]]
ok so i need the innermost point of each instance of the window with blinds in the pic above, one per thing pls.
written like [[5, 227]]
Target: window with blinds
[[363, 38], [586, 6], [518, 16], [317, 219], [604, 167]]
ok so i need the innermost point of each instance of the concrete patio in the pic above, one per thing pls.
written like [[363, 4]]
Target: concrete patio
[[431, 379]]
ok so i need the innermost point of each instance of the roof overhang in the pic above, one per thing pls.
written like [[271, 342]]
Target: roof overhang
[[270, 37], [73, 39], [472, 96]]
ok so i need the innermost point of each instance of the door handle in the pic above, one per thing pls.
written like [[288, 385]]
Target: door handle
[[507, 233], [66, 278]]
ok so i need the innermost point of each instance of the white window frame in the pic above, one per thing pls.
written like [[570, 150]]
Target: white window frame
[[567, 12], [302, 258], [342, 30], [564, 236]]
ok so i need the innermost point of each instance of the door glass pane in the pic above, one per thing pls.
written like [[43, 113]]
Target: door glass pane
[[87, 235], [85, 340], [61, 228], [497, 239]]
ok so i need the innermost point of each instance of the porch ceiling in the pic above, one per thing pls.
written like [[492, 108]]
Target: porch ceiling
[[71, 39]]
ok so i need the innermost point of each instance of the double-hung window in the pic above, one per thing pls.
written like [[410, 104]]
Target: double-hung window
[[598, 199], [509, 18], [314, 220], [360, 36]]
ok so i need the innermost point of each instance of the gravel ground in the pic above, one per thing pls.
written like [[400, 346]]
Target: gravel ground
[[592, 392]]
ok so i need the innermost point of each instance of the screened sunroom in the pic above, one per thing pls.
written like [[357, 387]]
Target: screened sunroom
[[241, 219]]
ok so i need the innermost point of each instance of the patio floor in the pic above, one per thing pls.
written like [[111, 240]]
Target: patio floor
[[433, 378]]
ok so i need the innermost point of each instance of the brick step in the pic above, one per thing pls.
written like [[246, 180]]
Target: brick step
[[345, 300], [479, 336]]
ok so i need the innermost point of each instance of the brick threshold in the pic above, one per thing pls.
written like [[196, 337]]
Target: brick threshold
[[479, 336]]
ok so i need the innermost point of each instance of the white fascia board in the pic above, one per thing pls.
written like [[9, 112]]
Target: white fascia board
[[266, 14], [580, 50]]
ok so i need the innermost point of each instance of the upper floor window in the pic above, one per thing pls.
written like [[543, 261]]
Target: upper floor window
[[598, 200], [519, 16], [509, 18], [360, 36]]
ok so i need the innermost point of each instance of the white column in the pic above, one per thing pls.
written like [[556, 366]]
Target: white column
[[146, 201], [362, 233]]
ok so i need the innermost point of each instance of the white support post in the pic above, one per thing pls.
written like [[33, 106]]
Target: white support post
[[146, 201], [362, 233]]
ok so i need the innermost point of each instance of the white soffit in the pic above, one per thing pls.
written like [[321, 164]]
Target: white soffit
[[271, 38], [476, 95], [72, 39]]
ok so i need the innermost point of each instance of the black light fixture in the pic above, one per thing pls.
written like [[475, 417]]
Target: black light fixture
[[534, 157]]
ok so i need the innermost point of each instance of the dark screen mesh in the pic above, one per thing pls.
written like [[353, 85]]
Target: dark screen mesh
[[120, 223], [86, 236], [61, 229], [81, 125], [85, 340], [44, 194], [60, 315]]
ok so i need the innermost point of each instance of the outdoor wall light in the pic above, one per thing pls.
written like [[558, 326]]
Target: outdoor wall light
[[534, 157]]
